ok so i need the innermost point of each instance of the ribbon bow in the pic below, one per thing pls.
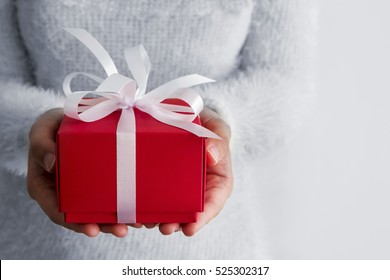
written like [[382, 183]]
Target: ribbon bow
[[120, 92]]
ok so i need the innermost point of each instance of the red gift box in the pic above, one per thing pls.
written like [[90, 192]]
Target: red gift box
[[170, 171], [127, 156]]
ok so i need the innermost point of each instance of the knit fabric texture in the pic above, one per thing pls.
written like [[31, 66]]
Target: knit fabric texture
[[259, 51]]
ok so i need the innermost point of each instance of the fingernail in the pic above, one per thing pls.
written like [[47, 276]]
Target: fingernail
[[214, 153], [49, 161]]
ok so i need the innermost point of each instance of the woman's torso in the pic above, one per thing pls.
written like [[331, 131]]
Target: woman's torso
[[181, 37]]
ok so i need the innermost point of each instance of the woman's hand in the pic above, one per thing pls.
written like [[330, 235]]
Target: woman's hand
[[41, 182], [219, 178]]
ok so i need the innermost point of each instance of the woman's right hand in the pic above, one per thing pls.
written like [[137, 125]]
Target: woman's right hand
[[41, 181]]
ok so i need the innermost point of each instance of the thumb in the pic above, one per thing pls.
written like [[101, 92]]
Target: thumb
[[43, 138], [216, 149]]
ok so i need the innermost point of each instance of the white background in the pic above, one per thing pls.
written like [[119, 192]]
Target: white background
[[327, 194]]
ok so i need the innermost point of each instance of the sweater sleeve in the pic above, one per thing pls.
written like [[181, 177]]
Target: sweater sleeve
[[20, 101], [266, 96]]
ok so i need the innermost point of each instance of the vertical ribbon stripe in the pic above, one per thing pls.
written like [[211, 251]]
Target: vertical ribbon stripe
[[126, 168]]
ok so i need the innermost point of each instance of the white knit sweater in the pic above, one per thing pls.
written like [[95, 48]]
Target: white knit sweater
[[259, 51]]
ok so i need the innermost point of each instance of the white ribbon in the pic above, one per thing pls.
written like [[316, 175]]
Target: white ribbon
[[120, 92]]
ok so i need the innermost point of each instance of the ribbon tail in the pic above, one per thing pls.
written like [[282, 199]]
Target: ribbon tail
[[95, 47], [196, 129], [126, 167]]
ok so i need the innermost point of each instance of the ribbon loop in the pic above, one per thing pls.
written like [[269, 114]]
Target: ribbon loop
[[139, 64]]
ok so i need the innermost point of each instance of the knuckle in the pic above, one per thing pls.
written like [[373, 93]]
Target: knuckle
[[34, 139], [35, 127], [229, 190], [31, 188], [52, 218], [217, 205], [58, 220], [33, 147], [31, 134], [228, 130]]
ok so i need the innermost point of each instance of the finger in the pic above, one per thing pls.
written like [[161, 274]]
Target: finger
[[169, 228], [90, 230], [216, 149], [119, 230], [43, 138], [36, 173], [150, 225], [215, 198], [136, 225]]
